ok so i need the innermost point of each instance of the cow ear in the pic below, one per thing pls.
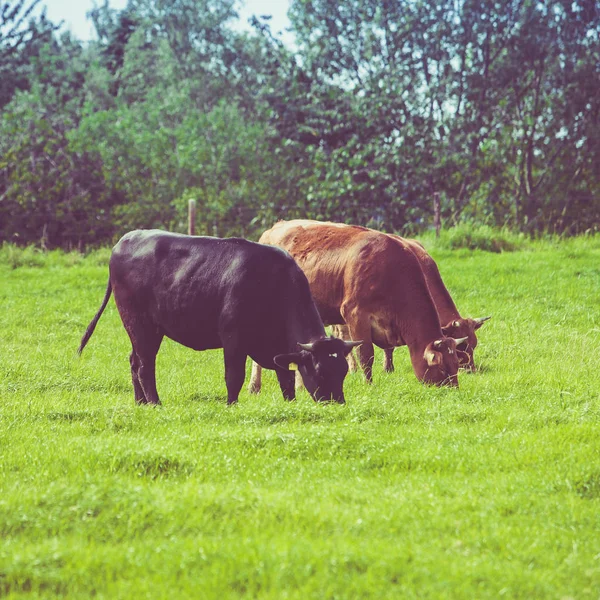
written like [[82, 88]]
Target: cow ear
[[433, 358], [290, 362]]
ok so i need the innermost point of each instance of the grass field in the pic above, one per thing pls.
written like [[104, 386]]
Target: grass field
[[492, 490]]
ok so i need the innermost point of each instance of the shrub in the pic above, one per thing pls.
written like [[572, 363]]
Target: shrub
[[481, 237], [16, 257], [29, 256], [99, 257]]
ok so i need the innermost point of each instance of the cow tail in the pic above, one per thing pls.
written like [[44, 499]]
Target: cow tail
[[88, 332]]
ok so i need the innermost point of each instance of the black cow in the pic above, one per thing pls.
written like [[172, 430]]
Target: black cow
[[204, 292]]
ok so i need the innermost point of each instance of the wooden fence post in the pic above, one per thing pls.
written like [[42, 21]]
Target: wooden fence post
[[191, 217], [437, 216]]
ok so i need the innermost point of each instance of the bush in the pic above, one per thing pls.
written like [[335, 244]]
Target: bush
[[481, 237], [16, 257], [99, 257], [29, 256]]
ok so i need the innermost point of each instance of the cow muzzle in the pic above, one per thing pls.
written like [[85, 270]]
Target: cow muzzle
[[333, 397]]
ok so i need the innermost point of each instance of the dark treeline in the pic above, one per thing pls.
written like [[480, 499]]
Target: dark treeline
[[378, 104]]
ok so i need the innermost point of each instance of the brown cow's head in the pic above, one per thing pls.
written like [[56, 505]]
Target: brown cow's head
[[466, 328], [323, 367], [440, 365]]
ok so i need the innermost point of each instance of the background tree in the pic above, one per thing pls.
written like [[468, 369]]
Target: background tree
[[374, 107], [21, 36], [466, 98], [50, 191]]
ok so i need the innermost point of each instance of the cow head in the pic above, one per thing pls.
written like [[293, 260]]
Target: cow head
[[440, 362], [323, 367], [466, 328]]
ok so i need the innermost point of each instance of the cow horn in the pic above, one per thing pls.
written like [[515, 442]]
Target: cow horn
[[482, 320], [438, 343], [460, 340], [307, 347], [352, 343]]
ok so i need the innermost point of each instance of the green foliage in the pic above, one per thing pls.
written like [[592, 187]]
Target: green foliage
[[49, 188], [22, 35], [470, 99], [376, 107], [487, 491], [482, 237], [15, 256]]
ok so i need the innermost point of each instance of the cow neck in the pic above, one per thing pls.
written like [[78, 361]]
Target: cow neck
[[305, 325], [304, 335], [418, 318], [442, 299], [417, 348], [418, 339], [419, 322], [444, 304]]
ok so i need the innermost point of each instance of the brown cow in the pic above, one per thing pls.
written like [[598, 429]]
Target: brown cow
[[374, 283], [455, 325]]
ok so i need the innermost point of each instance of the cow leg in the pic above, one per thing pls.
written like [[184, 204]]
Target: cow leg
[[147, 374], [235, 372], [366, 355], [342, 332], [388, 360], [134, 361], [145, 344], [286, 383], [351, 360], [360, 329], [255, 379], [299, 382]]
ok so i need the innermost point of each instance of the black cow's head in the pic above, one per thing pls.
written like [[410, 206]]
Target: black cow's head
[[323, 367], [460, 328]]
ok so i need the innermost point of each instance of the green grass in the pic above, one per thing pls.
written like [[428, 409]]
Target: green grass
[[406, 492]]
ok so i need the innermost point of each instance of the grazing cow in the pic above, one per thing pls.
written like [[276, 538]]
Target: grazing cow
[[455, 325], [373, 283], [204, 292]]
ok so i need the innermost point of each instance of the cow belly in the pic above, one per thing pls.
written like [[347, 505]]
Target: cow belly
[[197, 340], [330, 315], [193, 331], [384, 334]]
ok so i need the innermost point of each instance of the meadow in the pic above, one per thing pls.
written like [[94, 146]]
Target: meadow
[[486, 491]]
